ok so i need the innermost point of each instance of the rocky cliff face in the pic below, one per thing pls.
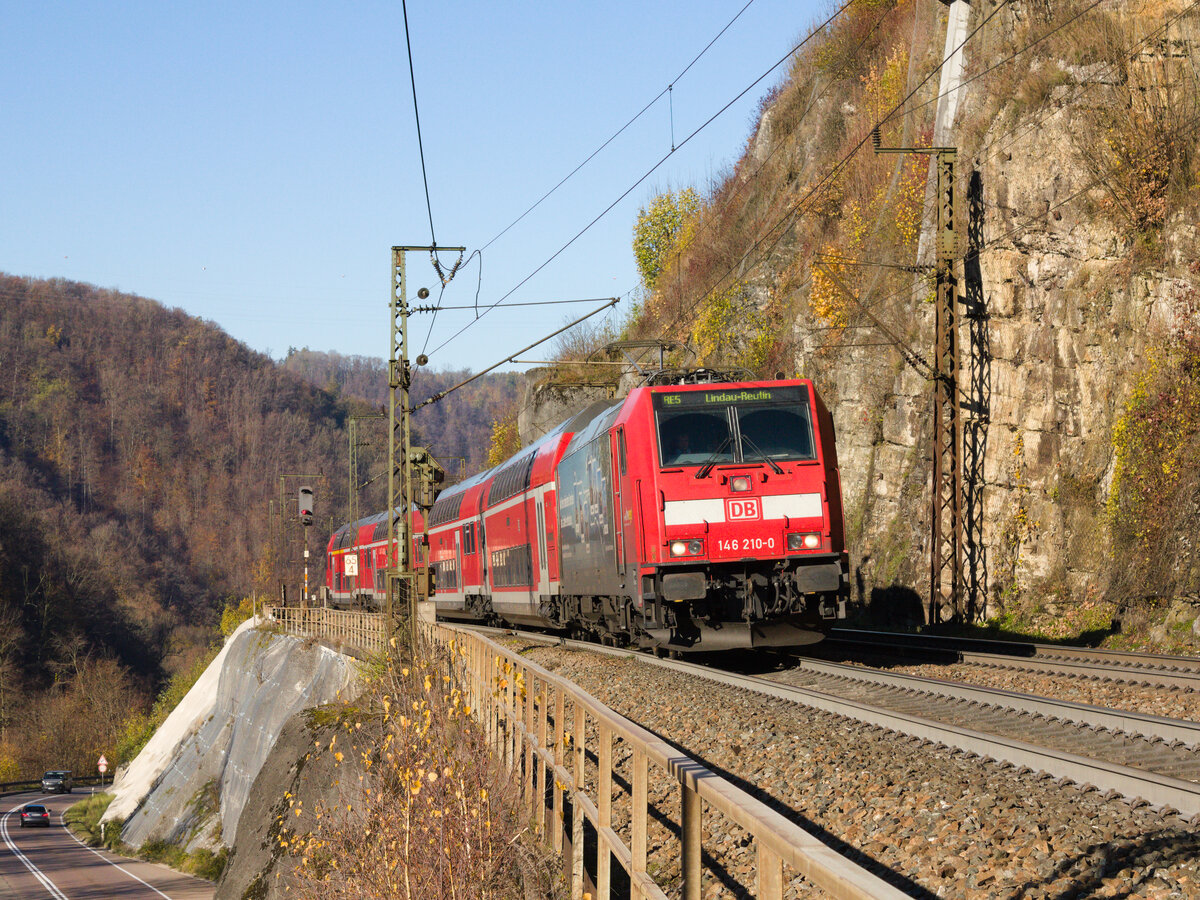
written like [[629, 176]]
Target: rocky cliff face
[[1078, 125], [1074, 303]]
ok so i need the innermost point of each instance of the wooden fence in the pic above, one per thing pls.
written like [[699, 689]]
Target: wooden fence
[[587, 773], [365, 632], [584, 768]]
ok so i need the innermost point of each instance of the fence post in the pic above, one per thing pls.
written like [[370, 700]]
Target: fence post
[[578, 773], [604, 807], [770, 874], [690, 838], [637, 824], [559, 730], [529, 753], [539, 818]]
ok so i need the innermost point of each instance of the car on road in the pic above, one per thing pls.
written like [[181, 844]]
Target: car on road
[[57, 782], [35, 814]]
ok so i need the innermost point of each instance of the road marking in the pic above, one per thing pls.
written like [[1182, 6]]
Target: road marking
[[109, 861], [37, 873]]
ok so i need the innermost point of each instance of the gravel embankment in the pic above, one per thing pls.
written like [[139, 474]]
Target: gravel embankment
[[948, 825], [1152, 701]]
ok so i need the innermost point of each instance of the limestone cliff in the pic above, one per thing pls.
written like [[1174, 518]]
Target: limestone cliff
[[1076, 124]]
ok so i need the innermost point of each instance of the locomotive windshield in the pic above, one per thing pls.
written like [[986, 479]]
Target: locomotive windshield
[[697, 428]]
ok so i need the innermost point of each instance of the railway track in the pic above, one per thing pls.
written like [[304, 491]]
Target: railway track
[[1146, 759], [1106, 665]]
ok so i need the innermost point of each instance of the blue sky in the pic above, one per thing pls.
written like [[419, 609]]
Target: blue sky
[[252, 163]]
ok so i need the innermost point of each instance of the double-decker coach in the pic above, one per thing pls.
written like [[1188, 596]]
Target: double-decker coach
[[356, 561]]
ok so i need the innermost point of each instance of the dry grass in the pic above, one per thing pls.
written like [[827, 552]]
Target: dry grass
[[786, 200]]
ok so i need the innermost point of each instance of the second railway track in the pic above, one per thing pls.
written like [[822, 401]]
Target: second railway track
[[1181, 672], [944, 820], [1148, 759]]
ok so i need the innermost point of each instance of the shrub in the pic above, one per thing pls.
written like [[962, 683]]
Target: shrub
[[1155, 489], [83, 819], [432, 814], [235, 614], [659, 228], [506, 440]]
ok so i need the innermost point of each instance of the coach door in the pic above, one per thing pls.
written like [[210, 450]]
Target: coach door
[[543, 575], [460, 584], [620, 514]]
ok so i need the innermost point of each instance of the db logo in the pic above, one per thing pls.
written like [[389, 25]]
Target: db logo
[[748, 508]]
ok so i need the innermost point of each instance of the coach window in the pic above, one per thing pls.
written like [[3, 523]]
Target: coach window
[[777, 432], [621, 448], [695, 437]]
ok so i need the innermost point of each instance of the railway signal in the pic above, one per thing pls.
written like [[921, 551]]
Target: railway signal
[[428, 474], [305, 506]]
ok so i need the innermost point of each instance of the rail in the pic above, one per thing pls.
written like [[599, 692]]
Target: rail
[[362, 631], [535, 721]]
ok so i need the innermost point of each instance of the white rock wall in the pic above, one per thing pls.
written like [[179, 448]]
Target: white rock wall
[[190, 783]]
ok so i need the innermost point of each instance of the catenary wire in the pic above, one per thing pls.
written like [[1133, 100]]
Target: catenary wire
[[719, 212], [417, 115], [1002, 62], [640, 180], [619, 131], [1027, 127], [594, 153], [843, 162]]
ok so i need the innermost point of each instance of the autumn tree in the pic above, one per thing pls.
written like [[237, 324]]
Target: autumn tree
[[658, 228]]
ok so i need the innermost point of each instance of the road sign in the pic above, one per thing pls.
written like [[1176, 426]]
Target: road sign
[[102, 765]]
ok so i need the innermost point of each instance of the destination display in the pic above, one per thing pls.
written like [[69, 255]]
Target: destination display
[[736, 397]]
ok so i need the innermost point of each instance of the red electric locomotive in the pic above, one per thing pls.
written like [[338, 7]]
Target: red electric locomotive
[[690, 517], [693, 517]]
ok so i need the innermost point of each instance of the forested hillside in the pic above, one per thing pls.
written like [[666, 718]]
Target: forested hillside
[[456, 428], [144, 459], [141, 452]]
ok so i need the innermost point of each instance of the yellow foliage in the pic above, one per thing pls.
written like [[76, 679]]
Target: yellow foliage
[[235, 614], [10, 769], [668, 222], [883, 86], [505, 439], [825, 298]]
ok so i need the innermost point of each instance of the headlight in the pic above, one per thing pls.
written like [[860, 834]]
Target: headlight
[[810, 541], [740, 483], [687, 548]]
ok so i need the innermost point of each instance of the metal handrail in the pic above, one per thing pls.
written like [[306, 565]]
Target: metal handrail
[[518, 703]]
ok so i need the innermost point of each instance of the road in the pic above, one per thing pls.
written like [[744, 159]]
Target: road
[[52, 862]]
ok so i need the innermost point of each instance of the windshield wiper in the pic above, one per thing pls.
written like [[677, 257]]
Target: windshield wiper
[[770, 462], [712, 460]]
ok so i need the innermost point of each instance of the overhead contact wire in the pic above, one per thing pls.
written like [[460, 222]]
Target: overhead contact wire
[[637, 183], [844, 161], [620, 130], [573, 172], [417, 115]]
